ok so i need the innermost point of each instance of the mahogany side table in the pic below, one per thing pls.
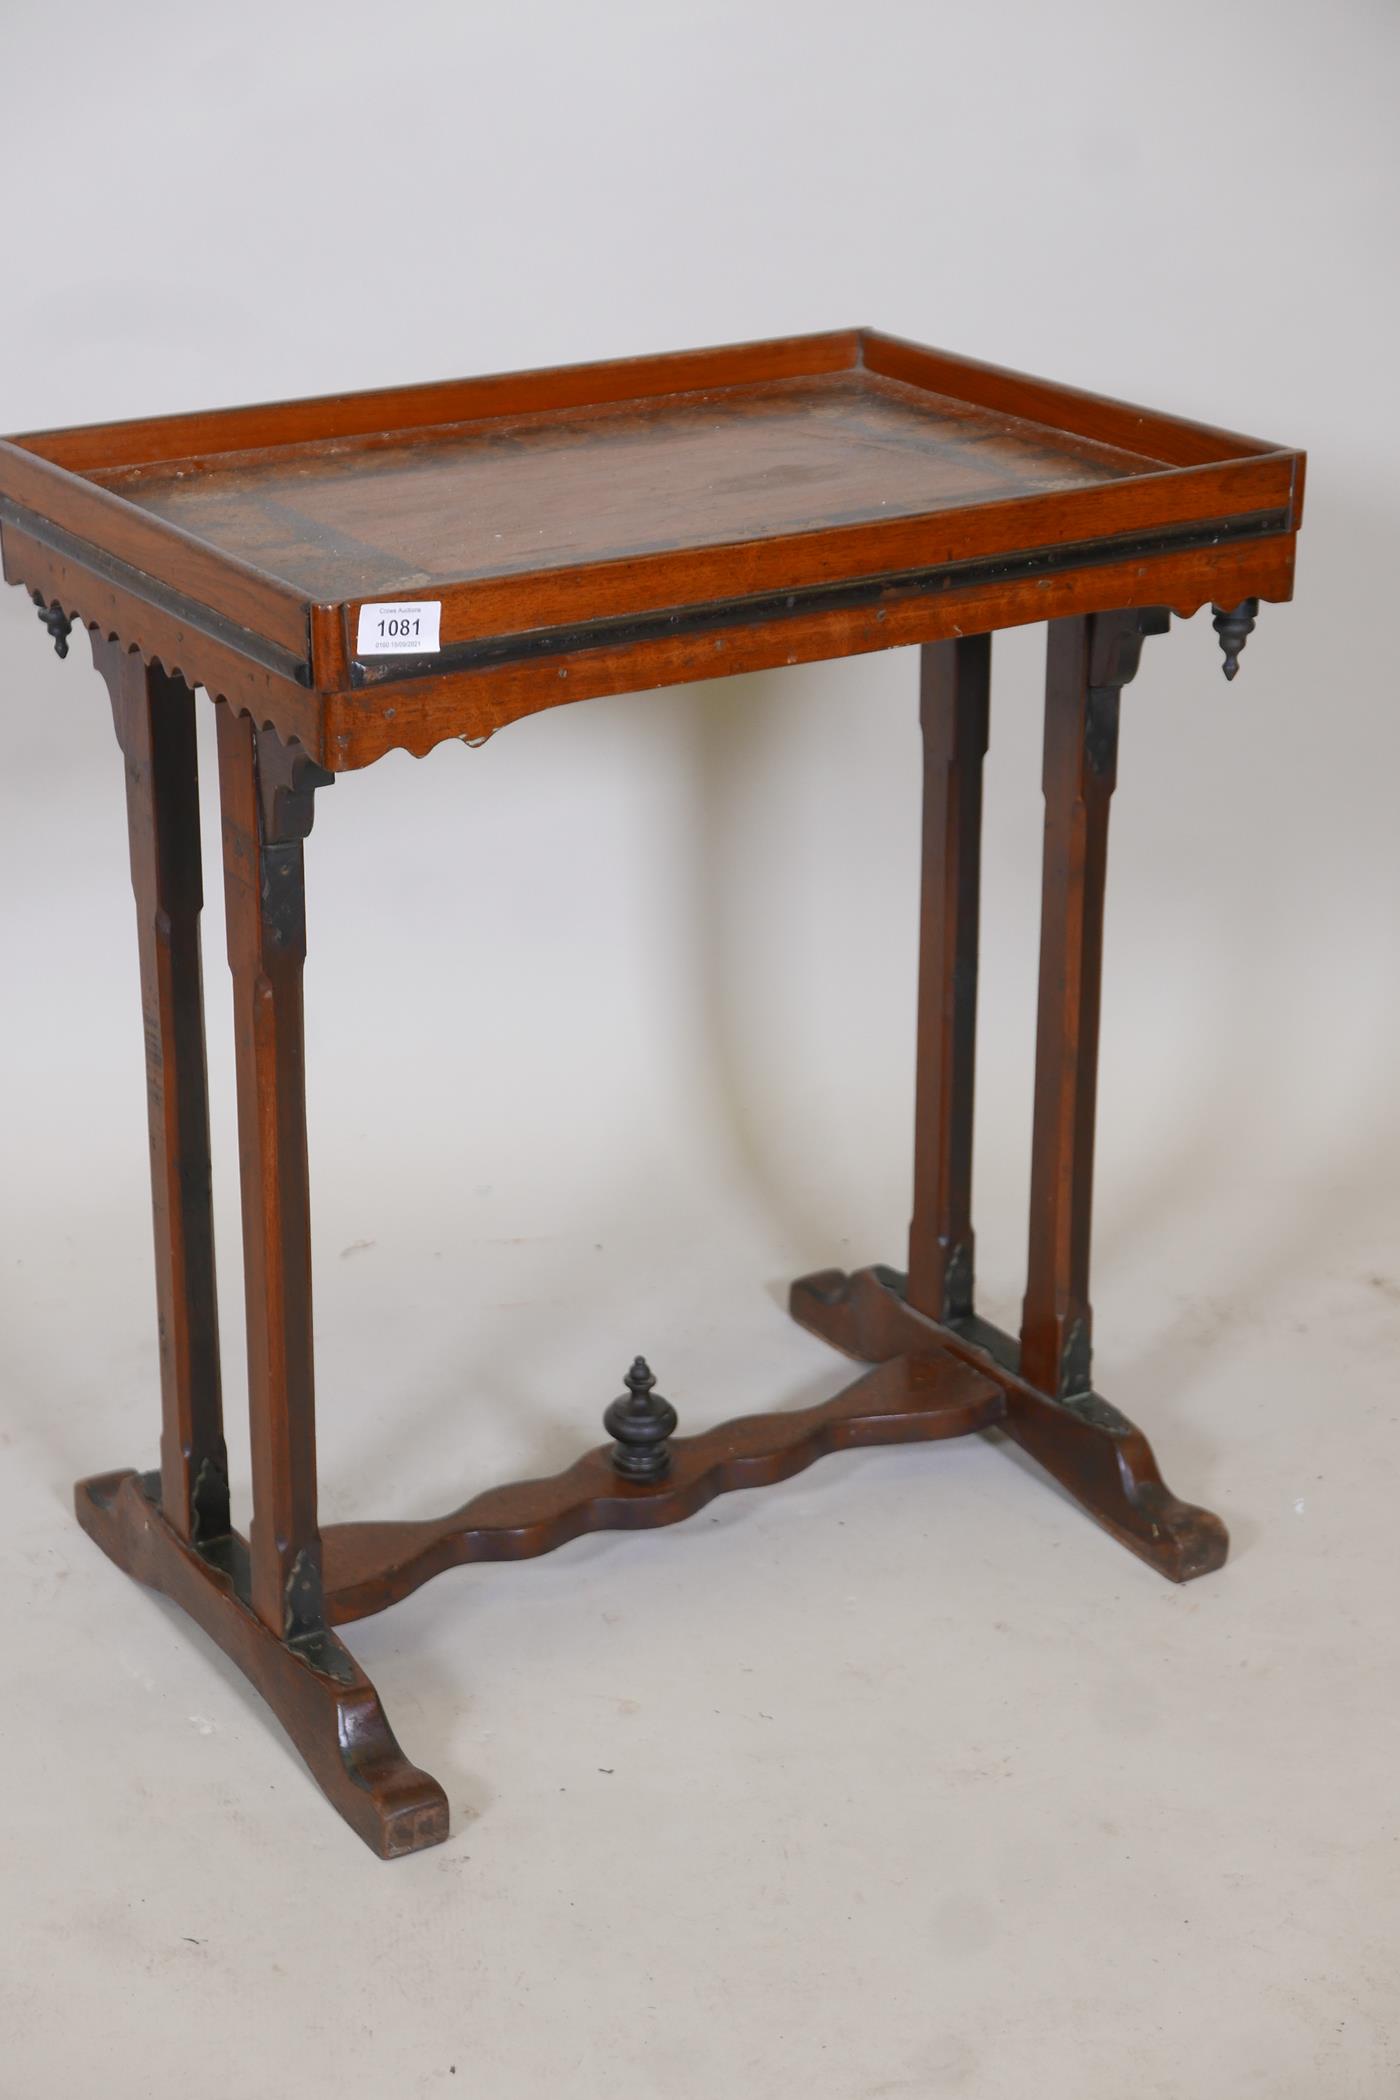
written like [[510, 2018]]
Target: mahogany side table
[[369, 572]]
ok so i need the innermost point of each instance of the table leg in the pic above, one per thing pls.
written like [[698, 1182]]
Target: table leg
[[266, 790], [154, 719], [1090, 660], [879, 1314], [953, 713], [332, 1711]]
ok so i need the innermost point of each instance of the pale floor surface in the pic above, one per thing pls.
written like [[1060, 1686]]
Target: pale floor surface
[[901, 1779]]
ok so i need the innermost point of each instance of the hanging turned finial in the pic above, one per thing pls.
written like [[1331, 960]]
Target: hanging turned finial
[[1234, 629], [57, 621], [640, 1421]]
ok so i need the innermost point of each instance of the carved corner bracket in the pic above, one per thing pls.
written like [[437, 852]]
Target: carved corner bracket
[[287, 782], [1115, 651]]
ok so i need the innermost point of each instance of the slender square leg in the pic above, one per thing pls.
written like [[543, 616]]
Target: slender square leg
[[1089, 661], [266, 795], [953, 715], [333, 1712], [154, 718]]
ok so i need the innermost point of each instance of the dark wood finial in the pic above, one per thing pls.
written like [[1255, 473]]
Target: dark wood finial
[[57, 622], [640, 1421], [1234, 627]]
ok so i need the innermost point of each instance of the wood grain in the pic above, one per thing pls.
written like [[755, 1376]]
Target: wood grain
[[1175, 438], [721, 496], [1088, 664], [520, 498], [376, 410], [954, 700], [264, 898], [313, 1685], [369, 1566], [1098, 1456], [361, 725], [154, 719]]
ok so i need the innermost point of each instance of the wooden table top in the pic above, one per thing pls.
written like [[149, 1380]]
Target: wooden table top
[[619, 526], [517, 496]]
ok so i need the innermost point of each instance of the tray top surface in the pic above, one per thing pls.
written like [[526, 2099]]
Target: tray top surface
[[577, 530], [385, 514]]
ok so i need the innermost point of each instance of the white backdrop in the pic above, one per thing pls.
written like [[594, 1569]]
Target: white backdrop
[[611, 1021]]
